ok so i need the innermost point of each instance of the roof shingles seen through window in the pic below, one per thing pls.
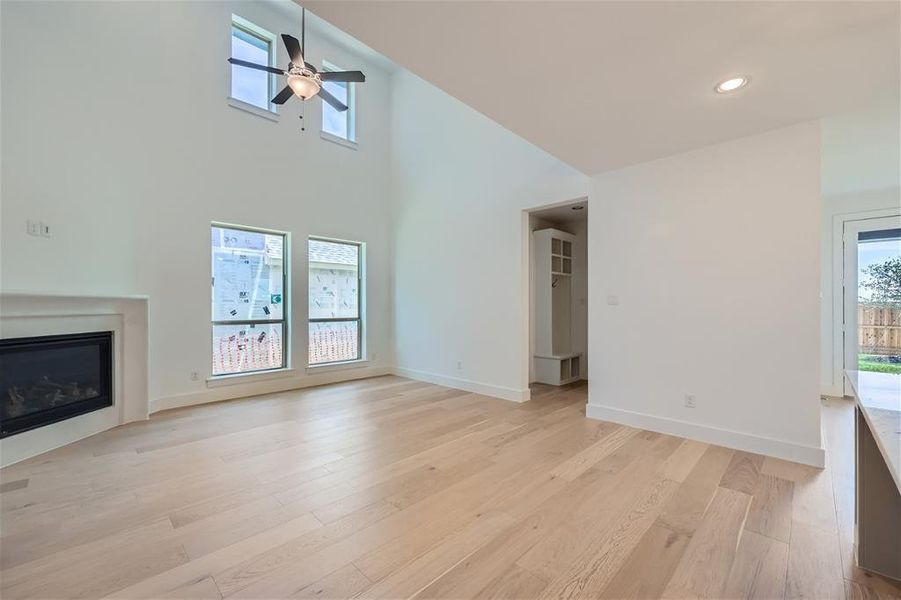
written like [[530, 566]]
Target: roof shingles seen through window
[[333, 252]]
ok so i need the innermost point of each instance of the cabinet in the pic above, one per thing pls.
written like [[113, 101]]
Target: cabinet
[[555, 362]]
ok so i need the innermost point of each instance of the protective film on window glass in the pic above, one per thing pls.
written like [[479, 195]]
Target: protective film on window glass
[[248, 275], [333, 121], [250, 85], [248, 347], [334, 341], [334, 280]]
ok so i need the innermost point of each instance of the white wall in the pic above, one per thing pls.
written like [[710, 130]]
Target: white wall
[[860, 178], [460, 183], [713, 256], [117, 133], [861, 151]]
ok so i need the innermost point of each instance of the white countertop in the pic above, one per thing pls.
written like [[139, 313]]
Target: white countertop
[[879, 397]]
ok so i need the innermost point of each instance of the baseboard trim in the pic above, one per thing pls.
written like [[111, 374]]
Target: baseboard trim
[[495, 391], [807, 455], [255, 388]]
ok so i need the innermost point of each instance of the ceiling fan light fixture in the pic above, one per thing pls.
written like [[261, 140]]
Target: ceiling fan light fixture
[[303, 87], [732, 84]]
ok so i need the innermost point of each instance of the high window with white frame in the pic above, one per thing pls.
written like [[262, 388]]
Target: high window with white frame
[[254, 44], [339, 124], [335, 305], [249, 294]]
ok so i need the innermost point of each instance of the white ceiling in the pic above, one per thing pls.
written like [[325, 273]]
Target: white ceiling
[[605, 84], [564, 214]]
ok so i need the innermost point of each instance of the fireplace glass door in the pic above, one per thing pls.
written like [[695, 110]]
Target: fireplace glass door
[[48, 379]]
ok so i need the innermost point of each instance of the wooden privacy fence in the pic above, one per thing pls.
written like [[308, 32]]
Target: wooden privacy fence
[[879, 328]]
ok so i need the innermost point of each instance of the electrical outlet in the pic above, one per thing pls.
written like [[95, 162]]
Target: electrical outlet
[[195, 375], [459, 365], [689, 401], [613, 300]]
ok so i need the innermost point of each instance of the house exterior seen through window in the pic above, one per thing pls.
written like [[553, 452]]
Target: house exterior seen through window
[[335, 293], [249, 293]]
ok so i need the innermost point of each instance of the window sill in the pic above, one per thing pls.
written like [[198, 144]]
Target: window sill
[[254, 110], [239, 378], [329, 137], [341, 366]]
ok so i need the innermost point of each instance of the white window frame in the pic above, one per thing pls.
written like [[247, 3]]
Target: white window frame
[[350, 114], [250, 28], [361, 306], [286, 312]]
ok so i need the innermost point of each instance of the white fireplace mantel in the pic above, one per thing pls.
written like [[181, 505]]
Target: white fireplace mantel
[[30, 313]]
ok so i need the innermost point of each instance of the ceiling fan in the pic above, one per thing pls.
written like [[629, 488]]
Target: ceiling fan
[[304, 80]]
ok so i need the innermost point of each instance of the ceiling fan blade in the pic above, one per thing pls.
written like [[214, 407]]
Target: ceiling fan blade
[[336, 104], [250, 65], [351, 76], [292, 45], [283, 96]]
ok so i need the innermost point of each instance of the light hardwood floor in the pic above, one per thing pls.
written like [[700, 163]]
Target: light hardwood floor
[[389, 488]]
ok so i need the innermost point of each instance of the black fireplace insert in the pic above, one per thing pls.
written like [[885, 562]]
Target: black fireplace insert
[[51, 378]]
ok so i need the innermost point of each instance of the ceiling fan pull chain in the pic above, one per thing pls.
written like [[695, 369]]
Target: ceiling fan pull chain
[[303, 108]]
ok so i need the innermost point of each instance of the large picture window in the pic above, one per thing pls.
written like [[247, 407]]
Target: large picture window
[[335, 287], [250, 325]]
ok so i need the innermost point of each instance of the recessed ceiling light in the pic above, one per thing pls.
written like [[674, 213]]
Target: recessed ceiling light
[[731, 84], [579, 207]]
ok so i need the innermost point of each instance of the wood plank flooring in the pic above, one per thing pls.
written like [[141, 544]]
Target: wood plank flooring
[[390, 488]]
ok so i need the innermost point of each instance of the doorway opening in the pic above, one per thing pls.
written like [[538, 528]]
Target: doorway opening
[[872, 296], [558, 295]]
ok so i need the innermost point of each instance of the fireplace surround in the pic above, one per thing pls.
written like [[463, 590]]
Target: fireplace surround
[[35, 313], [51, 378]]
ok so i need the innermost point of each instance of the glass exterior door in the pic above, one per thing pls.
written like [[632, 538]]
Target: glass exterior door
[[872, 295]]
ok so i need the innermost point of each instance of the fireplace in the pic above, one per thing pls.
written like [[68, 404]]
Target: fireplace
[[51, 378]]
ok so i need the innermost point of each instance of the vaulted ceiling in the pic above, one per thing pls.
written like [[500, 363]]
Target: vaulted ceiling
[[605, 84]]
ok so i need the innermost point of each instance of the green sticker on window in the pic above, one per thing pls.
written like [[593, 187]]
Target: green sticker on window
[[275, 298]]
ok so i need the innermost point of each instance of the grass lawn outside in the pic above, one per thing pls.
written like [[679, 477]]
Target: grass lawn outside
[[871, 362]]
